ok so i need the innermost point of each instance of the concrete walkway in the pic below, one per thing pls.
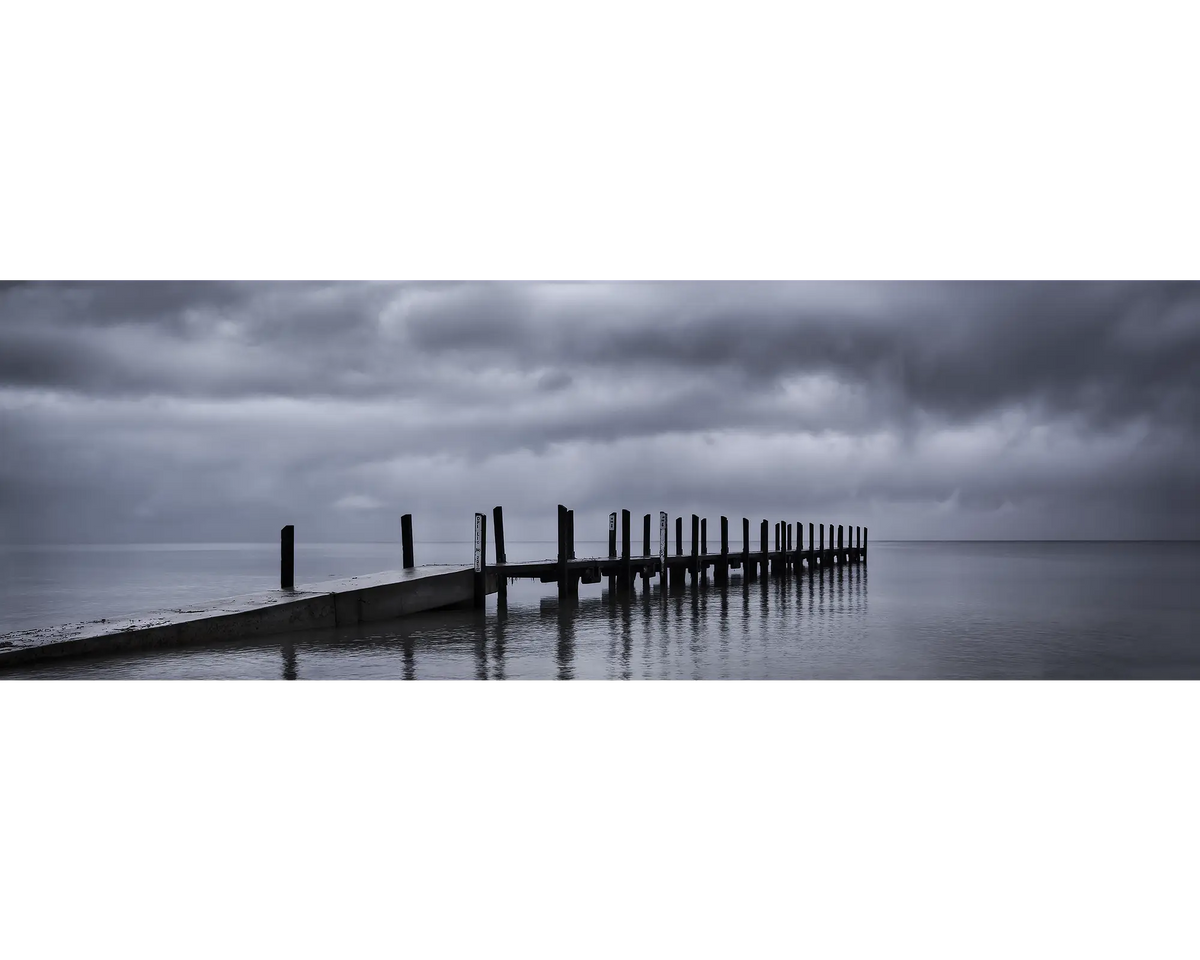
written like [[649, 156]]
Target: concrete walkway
[[333, 603]]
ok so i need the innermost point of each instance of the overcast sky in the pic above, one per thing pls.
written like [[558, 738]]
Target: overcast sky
[[138, 412]]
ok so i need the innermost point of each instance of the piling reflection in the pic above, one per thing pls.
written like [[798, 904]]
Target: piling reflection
[[289, 661]]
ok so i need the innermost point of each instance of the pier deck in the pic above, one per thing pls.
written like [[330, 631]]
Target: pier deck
[[333, 603]]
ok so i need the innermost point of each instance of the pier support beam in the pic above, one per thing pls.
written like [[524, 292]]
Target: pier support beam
[[563, 553], [646, 554], [747, 570], [626, 556], [406, 541], [722, 572], [612, 549], [287, 558], [501, 558]]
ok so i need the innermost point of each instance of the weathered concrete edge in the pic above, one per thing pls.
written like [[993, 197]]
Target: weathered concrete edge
[[382, 602]]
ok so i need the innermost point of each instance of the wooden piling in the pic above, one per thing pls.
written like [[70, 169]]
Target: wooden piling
[[646, 553], [722, 575], [865, 544], [762, 543], [841, 551], [501, 557], [287, 558], [695, 550], [704, 549], [563, 549], [662, 552], [480, 599], [406, 541], [626, 556], [747, 572], [822, 553], [612, 548]]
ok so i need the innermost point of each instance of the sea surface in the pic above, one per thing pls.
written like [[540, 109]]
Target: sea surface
[[920, 610]]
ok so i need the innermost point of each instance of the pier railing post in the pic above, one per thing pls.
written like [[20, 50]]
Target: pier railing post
[[822, 546], [646, 553], [723, 566], [695, 550], [612, 548], [762, 544], [287, 558], [501, 558], [747, 568], [480, 560], [662, 552], [572, 576], [704, 549], [562, 552], [406, 541], [626, 554], [865, 544]]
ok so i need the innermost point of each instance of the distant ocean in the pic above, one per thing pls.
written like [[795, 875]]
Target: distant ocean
[[915, 610]]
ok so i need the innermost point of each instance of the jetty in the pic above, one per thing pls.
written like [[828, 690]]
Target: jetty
[[416, 589]]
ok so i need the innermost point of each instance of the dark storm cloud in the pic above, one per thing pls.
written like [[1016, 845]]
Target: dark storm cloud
[[212, 410]]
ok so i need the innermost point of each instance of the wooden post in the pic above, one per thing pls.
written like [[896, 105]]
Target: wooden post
[[704, 549], [679, 536], [762, 543], [841, 549], [812, 546], [695, 550], [822, 546], [501, 558], [787, 557], [723, 567], [571, 531], [747, 571], [612, 548], [627, 563], [287, 558], [480, 560], [865, 544], [563, 549], [406, 545], [646, 553], [664, 539]]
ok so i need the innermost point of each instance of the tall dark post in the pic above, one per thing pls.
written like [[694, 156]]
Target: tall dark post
[[747, 568], [406, 547], [723, 569], [695, 550], [646, 553], [679, 536], [480, 560], [703, 549], [501, 559], [812, 546], [627, 563], [864, 543], [762, 543], [822, 546], [612, 549], [287, 558], [775, 562], [571, 531], [563, 551], [788, 559]]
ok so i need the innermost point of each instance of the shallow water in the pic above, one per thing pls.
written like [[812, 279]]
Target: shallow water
[[916, 610]]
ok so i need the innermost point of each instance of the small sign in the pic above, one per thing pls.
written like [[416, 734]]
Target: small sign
[[479, 543], [612, 521]]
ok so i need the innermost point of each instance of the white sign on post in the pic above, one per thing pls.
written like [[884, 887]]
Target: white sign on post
[[479, 543], [612, 521]]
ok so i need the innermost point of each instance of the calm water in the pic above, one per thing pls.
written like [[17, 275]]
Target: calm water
[[918, 610]]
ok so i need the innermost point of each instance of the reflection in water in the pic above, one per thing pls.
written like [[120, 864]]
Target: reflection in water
[[567, 607], [410, 662], [500, 630], [289, 661]]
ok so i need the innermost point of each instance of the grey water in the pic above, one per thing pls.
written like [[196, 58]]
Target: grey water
[[918, 610]]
